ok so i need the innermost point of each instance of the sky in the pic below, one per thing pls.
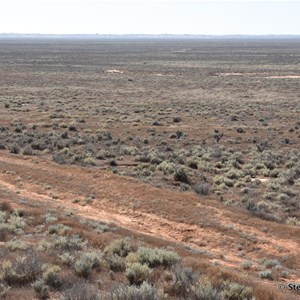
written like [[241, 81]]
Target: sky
[[150, 17]]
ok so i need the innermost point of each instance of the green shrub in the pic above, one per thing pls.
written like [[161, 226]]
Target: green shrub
[[89, 161], [41, 289], [127, 150], [202, 189], [17, 222], [14, 148], [23, 271], [43, 245], [167, 167], [27, 150], [88, 262], [5, 229], [192, 162], [228, 182], [236, 291], [233, 174], [5, 207], [156, 257], [82, 291], [14, 245], [98, 226], [293, 221], [218, 180], [246, 265], [120, 247], [206, 292], [60, 229], [51, 276], [3, 217], [3, 290], [181, 175], [143, 292], [115, 262], [67, 259], [267, 274], [49, 218], [83, 268], [183, 282], [137, 273], [69, 243], [94, 258], [270, 263]]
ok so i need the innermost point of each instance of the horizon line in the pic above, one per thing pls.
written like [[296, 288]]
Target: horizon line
[[149, 34]]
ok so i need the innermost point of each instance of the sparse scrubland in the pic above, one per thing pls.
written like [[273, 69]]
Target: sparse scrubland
[[149, 169]]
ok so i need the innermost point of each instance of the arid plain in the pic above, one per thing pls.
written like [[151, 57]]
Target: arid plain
[[149, 169]]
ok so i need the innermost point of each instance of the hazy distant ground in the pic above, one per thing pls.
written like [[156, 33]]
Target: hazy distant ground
[[146, 36]]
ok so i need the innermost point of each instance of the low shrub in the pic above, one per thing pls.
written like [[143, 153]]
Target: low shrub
[[27, 150], [88, 262], [206, 292], [202, 189], [121, 247], [267, 274], [236, 291], [67, 259], [115, 262], [183, 282], [69, 243], [41, 289], [3, 290], [156, 257], [143, 292], [181, 175], [82, 291], [14, 245], [137, 273], [60, 229], [23, 271], [51, 276]]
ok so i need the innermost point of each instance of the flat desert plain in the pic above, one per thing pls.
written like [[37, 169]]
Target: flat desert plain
[[150, 169]]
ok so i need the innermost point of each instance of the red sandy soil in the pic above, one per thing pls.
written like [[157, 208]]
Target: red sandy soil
[[200, 223]]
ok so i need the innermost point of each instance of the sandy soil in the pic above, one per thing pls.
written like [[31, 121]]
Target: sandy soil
[[137, 207]]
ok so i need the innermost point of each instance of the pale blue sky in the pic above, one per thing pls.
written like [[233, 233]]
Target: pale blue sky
[[150, 17]]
